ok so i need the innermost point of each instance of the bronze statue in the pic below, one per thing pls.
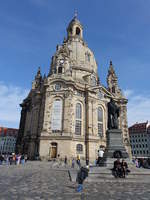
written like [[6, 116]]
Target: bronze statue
[[113, 114]]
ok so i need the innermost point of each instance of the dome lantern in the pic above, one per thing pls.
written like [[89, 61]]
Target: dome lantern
[[75, 29]]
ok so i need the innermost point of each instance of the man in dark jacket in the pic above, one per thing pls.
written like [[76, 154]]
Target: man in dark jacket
[[125, 169], [117, 169], [1, 159], [81, 176]]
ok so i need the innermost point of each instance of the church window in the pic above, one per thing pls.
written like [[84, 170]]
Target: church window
[[57, 115], [147, 152], [77, 31], [79, 93], [59, 70], [79, 148], [100, 121], [78, 124], [113, 90]]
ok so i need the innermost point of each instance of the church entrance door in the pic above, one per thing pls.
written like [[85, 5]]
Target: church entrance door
[[53, 151]]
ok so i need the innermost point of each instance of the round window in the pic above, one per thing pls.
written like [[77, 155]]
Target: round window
[[57, 87]]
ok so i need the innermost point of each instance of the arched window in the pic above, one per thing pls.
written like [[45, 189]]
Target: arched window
[[78, 124], [113, 89], [79, 148], [77, 31], [57, 115], [100, 121], [59, 70]]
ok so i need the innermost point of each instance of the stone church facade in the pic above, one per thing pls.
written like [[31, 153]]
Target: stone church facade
[[65, 112]]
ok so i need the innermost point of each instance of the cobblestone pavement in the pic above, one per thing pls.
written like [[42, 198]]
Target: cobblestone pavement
[[41, 181]]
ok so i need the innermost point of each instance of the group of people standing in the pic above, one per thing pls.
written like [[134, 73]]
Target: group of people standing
[[142, 162], [72, 162], [120, 169], [13, 159]]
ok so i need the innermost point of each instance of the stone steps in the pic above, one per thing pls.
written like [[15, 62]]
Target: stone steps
[[103, 174]]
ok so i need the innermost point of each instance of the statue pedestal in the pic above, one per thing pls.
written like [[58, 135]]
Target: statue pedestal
[[115, 147]]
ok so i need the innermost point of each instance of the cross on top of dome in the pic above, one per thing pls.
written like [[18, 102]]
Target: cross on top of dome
[[75, 14]]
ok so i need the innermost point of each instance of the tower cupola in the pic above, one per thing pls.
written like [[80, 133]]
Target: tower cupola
[[75, 29]]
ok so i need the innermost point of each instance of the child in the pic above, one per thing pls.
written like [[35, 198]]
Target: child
[[81, 176]]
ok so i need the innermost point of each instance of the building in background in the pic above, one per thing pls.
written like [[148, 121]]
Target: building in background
[[139, 135], [65, 112], [8, 138]]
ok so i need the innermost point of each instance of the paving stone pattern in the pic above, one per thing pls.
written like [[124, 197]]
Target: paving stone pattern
[[44, 181]]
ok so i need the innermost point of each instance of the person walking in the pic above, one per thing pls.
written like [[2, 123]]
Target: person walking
[[81, 176], [100, 156], [18, 159], [65, 161], [7, 159], [13, 159], [136, 163], [22, 160], [25, 157], [73, 163], [78, 161], [1, 159]]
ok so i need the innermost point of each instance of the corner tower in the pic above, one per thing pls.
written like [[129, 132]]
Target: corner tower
[[112, 81]]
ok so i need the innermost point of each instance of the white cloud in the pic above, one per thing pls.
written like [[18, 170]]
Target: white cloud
[[10, 98], [138, 107], [128, 93]]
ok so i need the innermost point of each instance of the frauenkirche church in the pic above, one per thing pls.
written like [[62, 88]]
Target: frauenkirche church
[[66, 112]]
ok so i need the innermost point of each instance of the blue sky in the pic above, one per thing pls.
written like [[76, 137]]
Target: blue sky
[[118, 30]]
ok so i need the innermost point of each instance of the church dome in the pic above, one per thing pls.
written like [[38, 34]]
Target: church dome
[[80, 54], [80, 58]]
